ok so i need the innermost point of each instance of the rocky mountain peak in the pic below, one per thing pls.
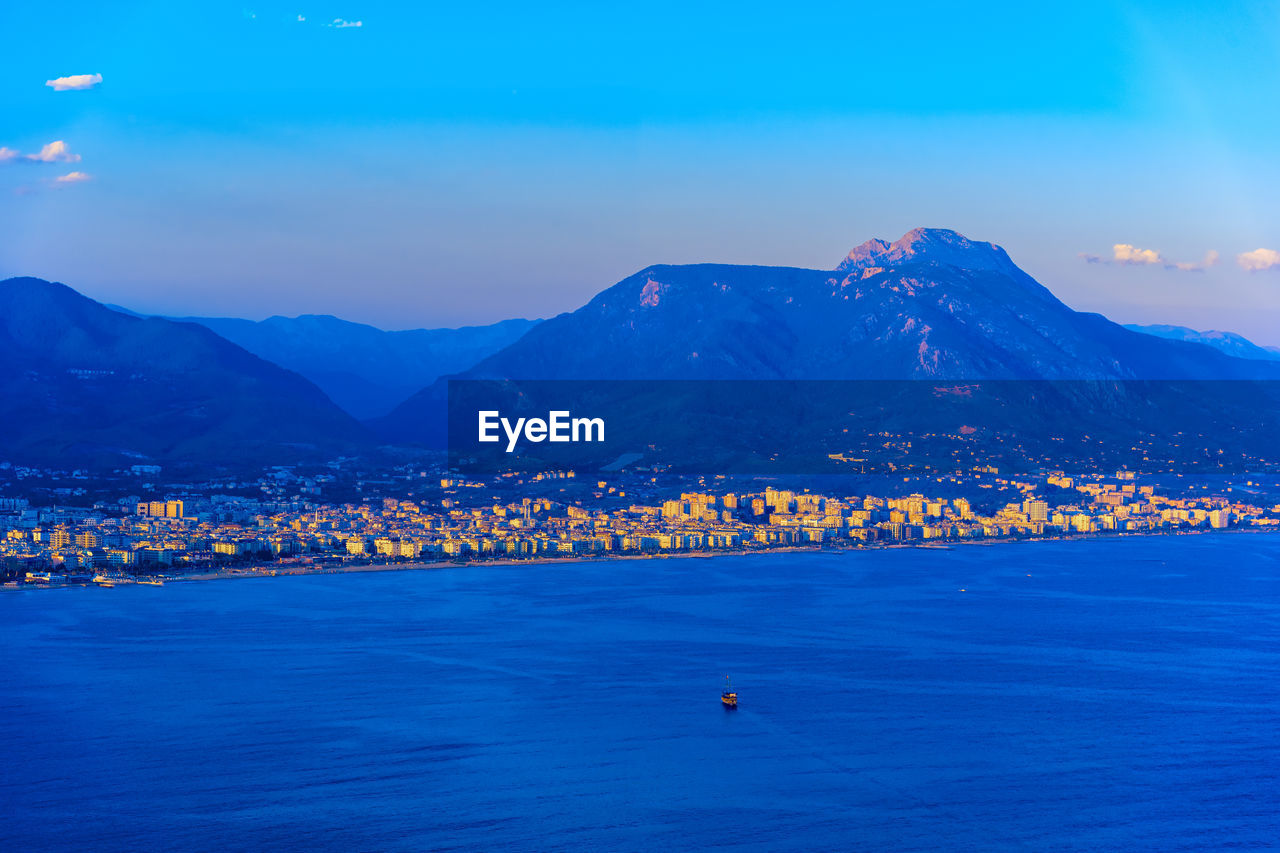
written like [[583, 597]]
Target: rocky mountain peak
[[929, 245]]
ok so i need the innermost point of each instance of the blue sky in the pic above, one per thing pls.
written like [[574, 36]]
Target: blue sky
[[447, 165]]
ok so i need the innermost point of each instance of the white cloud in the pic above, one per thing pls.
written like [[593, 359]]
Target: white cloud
[[1129, 255], [1259, 259], [55, 152], [340, 24], [46, 184], [75, 82], [1210, 258]]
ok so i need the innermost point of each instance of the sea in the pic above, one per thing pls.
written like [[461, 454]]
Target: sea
[[1101, 694]]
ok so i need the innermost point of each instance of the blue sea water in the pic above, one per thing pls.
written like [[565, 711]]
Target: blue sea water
[[1103, 694]]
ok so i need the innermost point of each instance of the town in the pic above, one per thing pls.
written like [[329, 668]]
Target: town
[[287, 528]]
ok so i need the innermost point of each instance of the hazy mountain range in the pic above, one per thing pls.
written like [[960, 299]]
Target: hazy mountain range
[[81, 384], [365, 370], [1228, 342], [83, 381]]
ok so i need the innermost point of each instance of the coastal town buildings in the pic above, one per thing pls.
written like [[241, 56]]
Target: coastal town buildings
[[172, 536]]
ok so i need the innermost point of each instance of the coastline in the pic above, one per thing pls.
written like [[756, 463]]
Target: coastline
[[268, 571]]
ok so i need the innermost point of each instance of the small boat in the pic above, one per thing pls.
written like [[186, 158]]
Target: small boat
[[728, 698]]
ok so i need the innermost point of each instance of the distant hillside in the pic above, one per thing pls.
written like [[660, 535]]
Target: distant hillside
[[1227, 342], [365, 370], [83, 384]]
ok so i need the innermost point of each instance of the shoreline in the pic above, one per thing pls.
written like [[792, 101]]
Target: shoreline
[[267, 571]]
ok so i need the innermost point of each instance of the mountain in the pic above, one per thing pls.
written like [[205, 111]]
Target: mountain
[[932, 305], [82, 384], [1227, 342], [365, 370]]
